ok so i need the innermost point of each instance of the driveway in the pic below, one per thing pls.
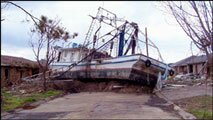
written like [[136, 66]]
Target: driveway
[[102, 105], [176, 93]]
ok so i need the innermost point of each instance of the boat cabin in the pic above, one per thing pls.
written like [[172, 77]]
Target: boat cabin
[[72, 55]]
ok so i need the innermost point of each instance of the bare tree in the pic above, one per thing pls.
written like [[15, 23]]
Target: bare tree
[[3, 6], [195, 18], [47, 32]]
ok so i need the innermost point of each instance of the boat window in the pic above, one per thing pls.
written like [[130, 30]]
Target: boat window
[[71, 56], [59, 56], [65, 53]]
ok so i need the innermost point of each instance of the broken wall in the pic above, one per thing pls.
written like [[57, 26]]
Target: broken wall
[[14, 74]]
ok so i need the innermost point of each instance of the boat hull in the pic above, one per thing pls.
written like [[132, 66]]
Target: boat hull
[[131, 68]]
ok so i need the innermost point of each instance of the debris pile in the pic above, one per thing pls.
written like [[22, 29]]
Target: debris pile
[[27, 88], [189, 76], [104, 86]]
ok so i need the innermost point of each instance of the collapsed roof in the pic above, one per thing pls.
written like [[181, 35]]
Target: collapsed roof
[[17, 62]]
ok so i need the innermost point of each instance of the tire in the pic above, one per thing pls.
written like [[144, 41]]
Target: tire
[[171, 72], [148, 63]]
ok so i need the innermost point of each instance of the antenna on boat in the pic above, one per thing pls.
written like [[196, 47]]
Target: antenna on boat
[[147, 51]]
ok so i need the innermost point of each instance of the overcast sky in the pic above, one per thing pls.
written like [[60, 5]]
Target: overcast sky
[[162, 28]]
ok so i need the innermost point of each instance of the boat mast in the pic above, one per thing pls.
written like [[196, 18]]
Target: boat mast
[[147, 52], [121, 40]]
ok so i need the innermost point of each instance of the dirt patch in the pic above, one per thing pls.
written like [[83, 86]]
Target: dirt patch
[[29, 106], [26, 88], [77, 86]]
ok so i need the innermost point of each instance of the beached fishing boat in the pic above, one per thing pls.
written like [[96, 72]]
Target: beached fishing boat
[[95, 59]]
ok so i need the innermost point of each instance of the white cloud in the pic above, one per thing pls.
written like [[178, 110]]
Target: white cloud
[[17, 52]]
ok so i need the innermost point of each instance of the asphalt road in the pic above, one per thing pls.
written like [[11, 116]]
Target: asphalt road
[[101, 105]]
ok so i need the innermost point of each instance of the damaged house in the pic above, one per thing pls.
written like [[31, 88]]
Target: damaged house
[[15, 68], [192, 65]]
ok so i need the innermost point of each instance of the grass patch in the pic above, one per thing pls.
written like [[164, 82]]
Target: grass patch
[[201, 114], [11, 102], [46, 94], [199, 106]]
